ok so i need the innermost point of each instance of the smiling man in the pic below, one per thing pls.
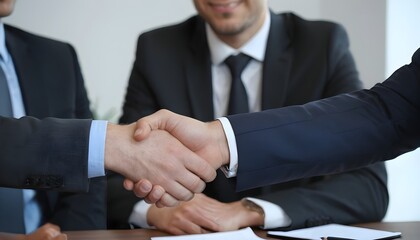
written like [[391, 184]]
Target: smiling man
[[234, 22], [286, 60]]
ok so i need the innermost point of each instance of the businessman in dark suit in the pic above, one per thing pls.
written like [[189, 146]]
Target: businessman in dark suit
[[181, 68], [339, 133], [51, 84], [44, 80], [41, 78]]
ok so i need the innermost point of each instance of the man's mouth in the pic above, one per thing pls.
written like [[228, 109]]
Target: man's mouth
[[225, 7]]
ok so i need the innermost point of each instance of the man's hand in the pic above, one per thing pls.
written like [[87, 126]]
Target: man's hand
[[47, 231], [206, 139], [161, 159], [203, 214], [149, 192]]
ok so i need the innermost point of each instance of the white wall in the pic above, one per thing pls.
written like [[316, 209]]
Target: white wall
[[104, 33], [365, 22]]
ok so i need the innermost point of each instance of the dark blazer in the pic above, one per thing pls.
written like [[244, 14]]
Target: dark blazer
[[52, 86], [25, 146], [338, 133], [304, 61], [27, 160]]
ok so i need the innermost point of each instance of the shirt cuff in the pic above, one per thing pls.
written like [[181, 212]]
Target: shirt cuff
[[231, 170], [96, 153], [274, 215], [138, 216]]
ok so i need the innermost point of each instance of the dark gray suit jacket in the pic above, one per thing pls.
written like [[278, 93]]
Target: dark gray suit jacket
[[52, 86], [304, 61], [27, 159], [338, 133]]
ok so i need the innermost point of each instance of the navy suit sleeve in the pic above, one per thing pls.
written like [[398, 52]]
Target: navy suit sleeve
[[44, 154], [344, 198], [331, 135]]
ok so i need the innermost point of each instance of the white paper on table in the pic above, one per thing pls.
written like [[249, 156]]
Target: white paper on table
[[337, 230], [241, 234]]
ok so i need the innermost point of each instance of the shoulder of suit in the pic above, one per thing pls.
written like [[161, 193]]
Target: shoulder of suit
[[292, 19], [298, 26], [27, 36], [185, 26]]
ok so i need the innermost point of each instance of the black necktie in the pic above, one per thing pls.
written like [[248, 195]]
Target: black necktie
[[11, 200], [238, 101]]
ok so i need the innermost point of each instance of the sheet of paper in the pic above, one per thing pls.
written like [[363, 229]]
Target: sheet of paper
[[241, 234], [337, 230]]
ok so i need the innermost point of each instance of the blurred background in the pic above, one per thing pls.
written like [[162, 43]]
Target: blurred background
[[383, 36]]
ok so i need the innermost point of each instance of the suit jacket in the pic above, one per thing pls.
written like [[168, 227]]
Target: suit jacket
[[338, 133], [25, 146], [52, 86], [304, 61]]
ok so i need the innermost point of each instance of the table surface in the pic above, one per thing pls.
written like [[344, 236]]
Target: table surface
[[410, 231]]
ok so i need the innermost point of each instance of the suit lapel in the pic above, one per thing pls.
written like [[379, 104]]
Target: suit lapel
[[198, 74], [30, 79], [277, 63]]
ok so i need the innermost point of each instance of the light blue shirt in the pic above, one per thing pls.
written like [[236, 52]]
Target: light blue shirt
[[32, 211], [96, 157]]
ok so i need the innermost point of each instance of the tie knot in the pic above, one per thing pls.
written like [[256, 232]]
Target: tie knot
[[237, 63]]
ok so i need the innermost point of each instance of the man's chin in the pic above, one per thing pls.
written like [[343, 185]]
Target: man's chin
[[228, 29]]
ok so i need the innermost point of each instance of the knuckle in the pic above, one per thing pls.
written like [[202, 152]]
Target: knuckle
[[197, 185], [187, 196]]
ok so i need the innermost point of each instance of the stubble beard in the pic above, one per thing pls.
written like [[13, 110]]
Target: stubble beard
[[232, 30]]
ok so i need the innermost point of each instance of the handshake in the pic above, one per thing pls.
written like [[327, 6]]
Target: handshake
[[166, 157]]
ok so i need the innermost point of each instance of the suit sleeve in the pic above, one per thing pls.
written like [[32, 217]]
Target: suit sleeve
[[44, 154], [344, 198], [340, 133]]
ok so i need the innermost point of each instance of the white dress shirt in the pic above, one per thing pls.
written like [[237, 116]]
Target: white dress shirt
[[221, 81]]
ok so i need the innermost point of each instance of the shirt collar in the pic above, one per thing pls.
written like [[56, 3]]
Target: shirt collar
[[3, 51], [255, 47]]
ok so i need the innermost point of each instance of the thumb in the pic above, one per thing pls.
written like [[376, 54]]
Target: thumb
[[145, 125]]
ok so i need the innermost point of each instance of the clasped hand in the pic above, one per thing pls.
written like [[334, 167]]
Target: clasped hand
[[185, 147]]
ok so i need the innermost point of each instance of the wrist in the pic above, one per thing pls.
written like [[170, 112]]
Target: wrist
[[109, 147], [153, 215], [117, 146]]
